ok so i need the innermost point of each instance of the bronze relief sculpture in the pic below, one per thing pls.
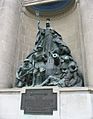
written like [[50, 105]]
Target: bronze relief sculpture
[[50, 63]]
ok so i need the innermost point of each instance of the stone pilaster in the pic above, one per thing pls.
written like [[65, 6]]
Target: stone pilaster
[[9, 24], [86, 9]]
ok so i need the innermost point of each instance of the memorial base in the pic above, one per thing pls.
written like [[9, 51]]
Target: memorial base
[[72, 103]]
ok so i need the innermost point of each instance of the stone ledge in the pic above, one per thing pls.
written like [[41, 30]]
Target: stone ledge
[[71, 89]]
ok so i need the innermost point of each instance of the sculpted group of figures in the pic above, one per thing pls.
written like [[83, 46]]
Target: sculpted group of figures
[[50, 63]]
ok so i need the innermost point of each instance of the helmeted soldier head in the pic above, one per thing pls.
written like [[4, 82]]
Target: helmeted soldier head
[[26, 61], [66, 58], [39, 48]]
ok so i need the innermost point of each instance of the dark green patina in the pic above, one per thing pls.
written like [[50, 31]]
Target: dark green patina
[[50, 63]]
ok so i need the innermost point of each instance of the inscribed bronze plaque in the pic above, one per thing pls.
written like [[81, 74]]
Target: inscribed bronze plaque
[[39, 101]]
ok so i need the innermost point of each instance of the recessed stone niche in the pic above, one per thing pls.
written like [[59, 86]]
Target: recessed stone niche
[[68, 24]]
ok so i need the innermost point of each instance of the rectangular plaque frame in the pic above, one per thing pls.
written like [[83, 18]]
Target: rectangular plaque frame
[[39, 102]]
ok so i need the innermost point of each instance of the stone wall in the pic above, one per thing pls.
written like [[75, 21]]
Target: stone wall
[[73, 103], [9, 24], [86, 8], [18, 31]]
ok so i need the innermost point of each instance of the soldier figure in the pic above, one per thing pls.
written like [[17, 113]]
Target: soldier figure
[[24, 74], [70, 73], [39, 59]]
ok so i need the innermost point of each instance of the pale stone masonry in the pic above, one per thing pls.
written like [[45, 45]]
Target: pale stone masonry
[[9, 25], [86, 8], [18, 30], [73, 103]]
